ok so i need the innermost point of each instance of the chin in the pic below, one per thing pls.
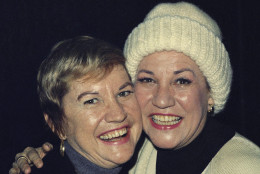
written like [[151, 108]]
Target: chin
[[119, 161], [122, 157], [164, 145], [164, 142]]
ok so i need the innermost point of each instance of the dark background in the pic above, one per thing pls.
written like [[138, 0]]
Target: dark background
[[29, 28]]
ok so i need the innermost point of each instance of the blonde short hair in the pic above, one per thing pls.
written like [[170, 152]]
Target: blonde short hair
[[69, 60]]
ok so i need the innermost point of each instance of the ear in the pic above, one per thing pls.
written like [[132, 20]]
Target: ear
[[210, 103], [50, 124]]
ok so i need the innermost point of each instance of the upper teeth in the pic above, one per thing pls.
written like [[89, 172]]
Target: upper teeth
[[166, 120], [114, 134]]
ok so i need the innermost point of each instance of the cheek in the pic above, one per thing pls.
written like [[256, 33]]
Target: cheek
[[187, 99], [133, 110], [80, 122], [194, 100], [143, 96]]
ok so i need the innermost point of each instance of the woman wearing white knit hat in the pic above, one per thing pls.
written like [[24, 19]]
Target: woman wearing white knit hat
[[182, 76]]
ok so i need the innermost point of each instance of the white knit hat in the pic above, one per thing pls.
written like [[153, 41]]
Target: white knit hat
[[185, 28]]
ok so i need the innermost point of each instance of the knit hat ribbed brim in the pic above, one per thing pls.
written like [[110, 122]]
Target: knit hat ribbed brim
[[185, 28]]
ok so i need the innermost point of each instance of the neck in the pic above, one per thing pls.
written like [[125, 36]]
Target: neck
[[83, 165]]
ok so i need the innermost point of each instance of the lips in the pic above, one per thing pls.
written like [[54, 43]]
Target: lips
[[116, 136], [165, 122]]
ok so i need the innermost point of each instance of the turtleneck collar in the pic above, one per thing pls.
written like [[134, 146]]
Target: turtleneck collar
[[194, 157], [83, 165]]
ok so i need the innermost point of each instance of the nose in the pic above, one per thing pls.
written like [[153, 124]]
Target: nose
[[115, 112], [163, 97]]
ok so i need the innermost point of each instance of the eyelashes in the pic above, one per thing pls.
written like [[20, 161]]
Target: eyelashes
[[145, 80], [91, 101], [178, 81], [123, 94], [183, 81]]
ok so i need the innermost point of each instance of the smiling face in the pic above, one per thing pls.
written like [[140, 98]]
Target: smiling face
[[174, 98], [103, 120]]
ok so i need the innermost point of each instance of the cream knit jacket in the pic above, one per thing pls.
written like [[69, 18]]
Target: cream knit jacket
[[237, 156]]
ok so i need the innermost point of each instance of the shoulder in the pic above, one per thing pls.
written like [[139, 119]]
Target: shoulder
[[147, 150], [146, 160], [240, 147], [55, 163], [238, 155]]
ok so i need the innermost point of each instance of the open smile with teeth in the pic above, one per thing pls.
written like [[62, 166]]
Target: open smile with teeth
[[114, 135], [166, 120]]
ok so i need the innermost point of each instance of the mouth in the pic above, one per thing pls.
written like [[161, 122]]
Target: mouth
[[161, 121], [115, 135]]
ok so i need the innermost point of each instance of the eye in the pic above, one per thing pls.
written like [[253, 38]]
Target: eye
[[91, 101], [146, 80], [182, 81], [125, 93]]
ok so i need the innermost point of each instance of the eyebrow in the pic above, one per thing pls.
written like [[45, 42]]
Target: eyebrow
[[175, 72], [125, 85], [145, 71], [86, 93], [183, 70]]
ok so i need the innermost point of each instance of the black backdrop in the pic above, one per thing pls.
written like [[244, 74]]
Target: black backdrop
[[29, 28]]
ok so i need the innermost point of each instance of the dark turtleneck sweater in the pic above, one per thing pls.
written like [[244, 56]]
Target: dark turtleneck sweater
[[71, 163], [83, 165], [194, 158]]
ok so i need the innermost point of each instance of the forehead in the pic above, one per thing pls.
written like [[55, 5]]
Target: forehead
[[167, 60], [115, 77]]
